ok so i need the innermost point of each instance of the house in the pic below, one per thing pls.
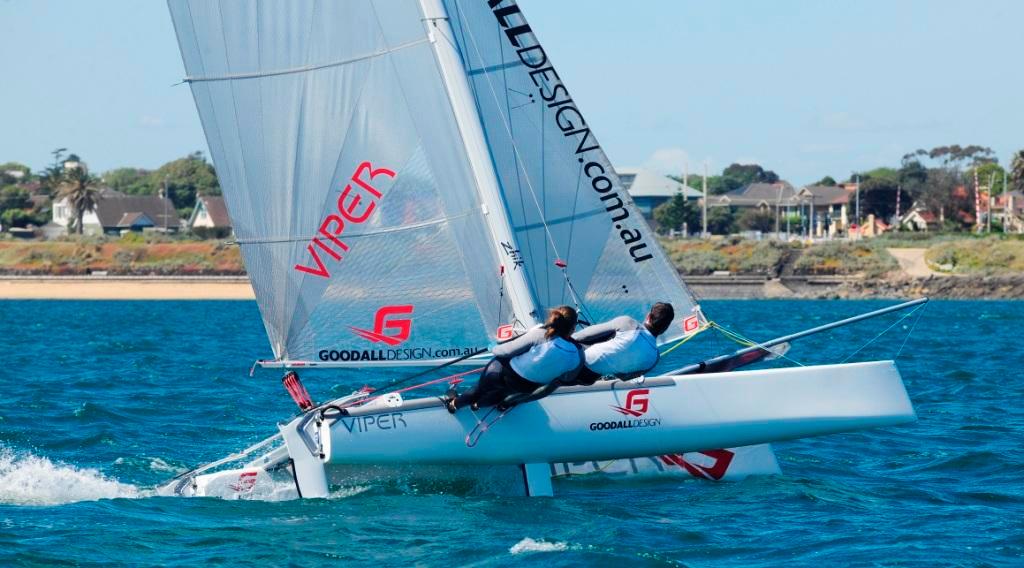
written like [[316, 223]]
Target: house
[[919, 220], [872, 227], [826, 208], [117, 213], [649, 189], [763, 196], [822, 209], [210, 217]]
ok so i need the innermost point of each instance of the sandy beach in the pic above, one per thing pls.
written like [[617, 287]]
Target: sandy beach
[[108, 288]]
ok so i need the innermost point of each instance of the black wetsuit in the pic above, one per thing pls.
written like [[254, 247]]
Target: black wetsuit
[[497, 381]]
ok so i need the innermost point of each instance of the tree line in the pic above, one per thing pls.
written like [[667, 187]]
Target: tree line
[[940, 180], [27, 196]]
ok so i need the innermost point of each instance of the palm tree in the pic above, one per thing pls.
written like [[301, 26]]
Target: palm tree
[[1017, 171], [82, 191]]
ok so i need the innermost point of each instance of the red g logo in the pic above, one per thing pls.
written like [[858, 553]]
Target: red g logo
[[636, 403], [504, 332], [691, 324], [387, 328]]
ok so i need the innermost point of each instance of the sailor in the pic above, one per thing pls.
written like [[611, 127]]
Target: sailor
[[622, 348], [532, 365]]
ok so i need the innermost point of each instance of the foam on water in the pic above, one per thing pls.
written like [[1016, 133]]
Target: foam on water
[[27, 479], [530, 545]]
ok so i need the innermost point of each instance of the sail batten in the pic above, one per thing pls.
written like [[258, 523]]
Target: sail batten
[[306, 68]]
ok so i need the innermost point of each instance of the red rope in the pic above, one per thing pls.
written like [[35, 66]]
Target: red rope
[[451, 379]]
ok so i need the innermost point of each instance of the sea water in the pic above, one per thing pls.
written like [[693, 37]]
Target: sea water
[[103, 401]]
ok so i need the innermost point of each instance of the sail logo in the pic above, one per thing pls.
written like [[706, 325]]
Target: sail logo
[[505, 332], [636, 403], [355, 205], [246, 482], [691, 325], [570, 122], [714, 472], [388, 326]]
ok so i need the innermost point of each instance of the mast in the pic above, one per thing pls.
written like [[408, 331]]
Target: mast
[[459, 94]]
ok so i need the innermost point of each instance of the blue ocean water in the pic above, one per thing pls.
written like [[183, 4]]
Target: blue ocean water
[[102, 401]]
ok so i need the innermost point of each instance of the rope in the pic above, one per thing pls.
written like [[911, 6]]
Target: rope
[[884, 331], [681, 341], [482, 426], [750, 342], [909, 333]]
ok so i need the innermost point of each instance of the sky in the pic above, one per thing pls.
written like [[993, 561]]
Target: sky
[[804, 88]]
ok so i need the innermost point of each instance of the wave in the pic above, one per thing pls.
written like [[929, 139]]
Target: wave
[[27, 479], [530, 545]]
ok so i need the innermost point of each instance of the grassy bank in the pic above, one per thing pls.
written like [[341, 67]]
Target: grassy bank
[[120, 256], [698, 257], [991, 256], [159, 255]]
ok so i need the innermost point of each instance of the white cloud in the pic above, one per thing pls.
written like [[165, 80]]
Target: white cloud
[[148, 121], [669, 161]]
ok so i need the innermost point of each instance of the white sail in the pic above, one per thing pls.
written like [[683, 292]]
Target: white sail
[[347, 177], [565, 200]]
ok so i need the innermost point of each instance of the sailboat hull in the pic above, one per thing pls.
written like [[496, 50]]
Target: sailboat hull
[[662, 415]]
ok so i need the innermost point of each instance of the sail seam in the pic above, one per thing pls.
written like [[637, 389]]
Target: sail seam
[[387, 231], [307, 68]]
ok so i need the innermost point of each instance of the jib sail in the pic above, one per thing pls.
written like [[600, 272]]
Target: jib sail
[[581, 238]]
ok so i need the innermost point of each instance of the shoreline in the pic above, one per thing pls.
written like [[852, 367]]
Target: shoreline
[[125, 288], [750, 287]]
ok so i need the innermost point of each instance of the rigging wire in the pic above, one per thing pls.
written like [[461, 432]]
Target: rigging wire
[[886, 330], [520, 161]]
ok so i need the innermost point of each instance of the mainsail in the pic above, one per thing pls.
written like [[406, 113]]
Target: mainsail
[[396, 194], [346, 178]]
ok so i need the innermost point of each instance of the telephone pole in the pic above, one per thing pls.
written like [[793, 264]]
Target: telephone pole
[[977, 203], [899, 190], [704, 213], [1007, 209], [858, 201]]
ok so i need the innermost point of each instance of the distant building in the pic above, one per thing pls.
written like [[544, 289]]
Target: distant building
[[872, 227], [823, 209], [763, 196], [919, 220], [116, 213], [826, 206], [210, 217], [649, 189]]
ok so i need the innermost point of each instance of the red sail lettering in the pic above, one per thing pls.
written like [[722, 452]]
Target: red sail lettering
[[349, 205], [321, 270]]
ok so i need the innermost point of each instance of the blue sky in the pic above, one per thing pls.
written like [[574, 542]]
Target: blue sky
[[804, 88]]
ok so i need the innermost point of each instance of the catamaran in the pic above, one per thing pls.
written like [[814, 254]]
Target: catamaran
[[411, 182]]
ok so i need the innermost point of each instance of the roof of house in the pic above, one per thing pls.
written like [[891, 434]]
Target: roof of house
[[645, 183], [134, 219], [216, 209], [926, 216], [826, 194], [755, 194], [112, 210]]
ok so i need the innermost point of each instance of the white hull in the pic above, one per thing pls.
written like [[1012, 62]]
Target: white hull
[[610, 428], [270, 476], [664, 415]]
